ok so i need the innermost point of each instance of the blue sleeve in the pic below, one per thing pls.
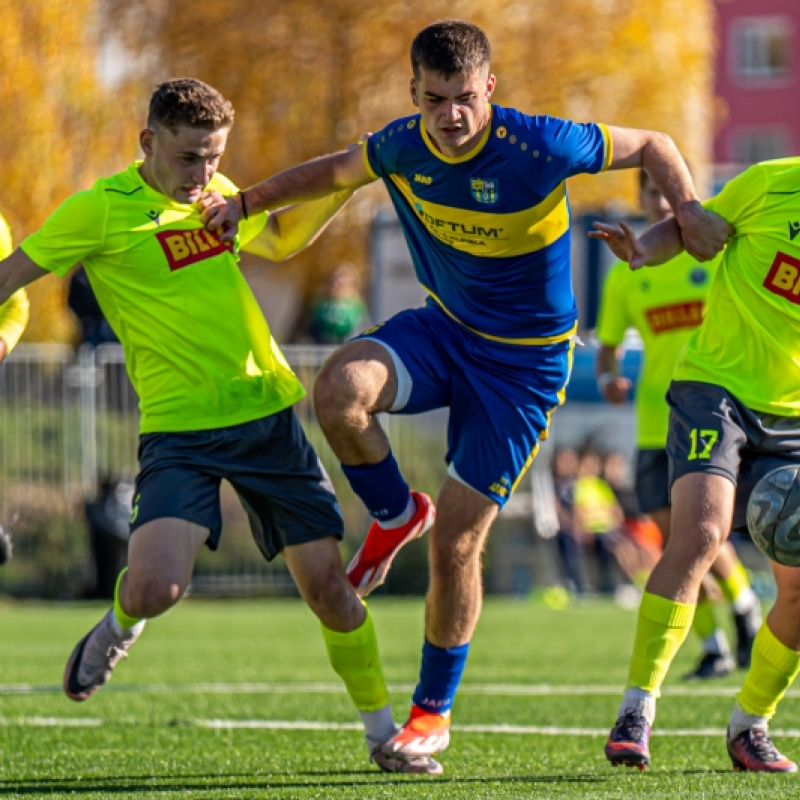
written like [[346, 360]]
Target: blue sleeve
[[571, 148], [383, 147]]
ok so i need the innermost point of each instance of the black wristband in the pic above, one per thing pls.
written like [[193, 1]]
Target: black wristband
[[244, 205]]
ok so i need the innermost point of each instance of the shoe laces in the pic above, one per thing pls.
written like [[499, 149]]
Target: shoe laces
[[758, 744], [632, 726]]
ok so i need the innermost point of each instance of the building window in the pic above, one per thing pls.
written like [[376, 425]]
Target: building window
[[752, 146], [762, 48]]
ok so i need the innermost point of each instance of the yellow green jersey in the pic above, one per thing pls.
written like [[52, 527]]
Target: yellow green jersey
[[14, 312], [664, 305], [197, 347], [749, 342]]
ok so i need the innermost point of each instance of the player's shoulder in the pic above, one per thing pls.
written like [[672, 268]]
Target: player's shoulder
[[398, 131], [780, 175], [125, 183]]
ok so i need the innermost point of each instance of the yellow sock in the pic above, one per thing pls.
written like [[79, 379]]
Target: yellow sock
[[704, 623], [355, 659], [735, 583], [124, 620], [661, 629], [772, 669]]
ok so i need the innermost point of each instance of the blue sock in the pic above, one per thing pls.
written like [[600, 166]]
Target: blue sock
[[439, 676], [381, 487]]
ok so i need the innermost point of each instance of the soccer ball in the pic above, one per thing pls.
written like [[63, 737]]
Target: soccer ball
[[773, 515]]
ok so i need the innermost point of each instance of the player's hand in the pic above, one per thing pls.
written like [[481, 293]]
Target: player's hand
[[622, 242], [220, 214], [704, 233], [615, 390]]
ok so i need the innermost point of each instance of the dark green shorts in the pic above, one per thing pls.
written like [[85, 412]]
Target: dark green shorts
[[711, 431], [652, 479], [280, 481]]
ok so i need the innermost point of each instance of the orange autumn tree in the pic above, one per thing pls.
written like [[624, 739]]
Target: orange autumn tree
[[308, 77], [60, 129]]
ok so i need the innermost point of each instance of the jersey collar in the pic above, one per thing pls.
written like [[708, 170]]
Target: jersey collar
[[467, 156]]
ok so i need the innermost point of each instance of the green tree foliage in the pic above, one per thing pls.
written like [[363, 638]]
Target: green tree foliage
[[59, 129]]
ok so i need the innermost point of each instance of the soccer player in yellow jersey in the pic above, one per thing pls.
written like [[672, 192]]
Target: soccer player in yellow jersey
[[734, 416], [14, 312], [215, 393], [665, 306], [13, 319]]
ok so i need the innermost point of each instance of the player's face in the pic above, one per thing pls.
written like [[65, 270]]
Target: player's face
[[653, 203], [455, 109], [181, 164]]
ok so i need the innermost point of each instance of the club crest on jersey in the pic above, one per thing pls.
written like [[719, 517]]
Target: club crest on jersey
[[186, 247], [484, 190]]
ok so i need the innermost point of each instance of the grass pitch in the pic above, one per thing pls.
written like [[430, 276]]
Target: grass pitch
[[236, 700]]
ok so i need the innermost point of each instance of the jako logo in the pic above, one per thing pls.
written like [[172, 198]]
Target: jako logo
[[183, 248], [783, 278]]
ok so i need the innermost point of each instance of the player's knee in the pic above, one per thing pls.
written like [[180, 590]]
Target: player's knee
[[150, 596], [453, 555], [332, 599]]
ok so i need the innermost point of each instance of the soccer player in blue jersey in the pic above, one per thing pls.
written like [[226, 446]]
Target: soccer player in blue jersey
[[480, 193]]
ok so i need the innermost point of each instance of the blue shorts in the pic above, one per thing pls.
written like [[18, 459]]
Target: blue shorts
[[500, 395]]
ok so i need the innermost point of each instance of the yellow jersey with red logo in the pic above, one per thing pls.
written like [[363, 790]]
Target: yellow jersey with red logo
[[197, 347], [664, 305], [749, 342]]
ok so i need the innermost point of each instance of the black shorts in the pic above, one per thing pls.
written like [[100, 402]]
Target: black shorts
[[711, 431], [280, 481], [652, 479]]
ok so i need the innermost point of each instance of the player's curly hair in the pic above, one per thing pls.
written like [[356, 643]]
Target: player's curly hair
[[189, 102], [450, 47]]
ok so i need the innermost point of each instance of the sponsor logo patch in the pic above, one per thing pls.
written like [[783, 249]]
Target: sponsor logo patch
[[183, 248], [675, 316], [783, 277]]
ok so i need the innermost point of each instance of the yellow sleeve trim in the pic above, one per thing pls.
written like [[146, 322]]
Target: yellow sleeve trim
[[609, 149], [367, 165]]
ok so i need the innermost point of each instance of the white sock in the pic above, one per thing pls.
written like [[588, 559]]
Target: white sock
[[411, 508], [378, 725], [636, 699], [745, 602], [742, 721]]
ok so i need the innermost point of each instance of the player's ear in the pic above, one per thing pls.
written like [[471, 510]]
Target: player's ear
[[413, 88], [491, 82], [146, 141]]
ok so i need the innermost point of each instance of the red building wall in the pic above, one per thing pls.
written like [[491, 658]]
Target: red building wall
[[757, 80]]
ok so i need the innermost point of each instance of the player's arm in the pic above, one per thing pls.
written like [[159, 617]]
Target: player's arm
[[17, 271], [333, 173], [613, 387], [658, 244], [657, 153], [289, 230]]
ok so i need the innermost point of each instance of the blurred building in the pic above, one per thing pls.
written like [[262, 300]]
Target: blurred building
[[757, 82]]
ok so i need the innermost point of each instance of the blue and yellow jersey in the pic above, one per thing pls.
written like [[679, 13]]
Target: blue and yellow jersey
[[749, 341], [489, 231]]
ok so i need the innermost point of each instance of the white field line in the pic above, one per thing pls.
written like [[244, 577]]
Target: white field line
[[306, 725], [491, 689]]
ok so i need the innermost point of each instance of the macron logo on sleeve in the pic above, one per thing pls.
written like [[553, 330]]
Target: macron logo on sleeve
[[183, 248]]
